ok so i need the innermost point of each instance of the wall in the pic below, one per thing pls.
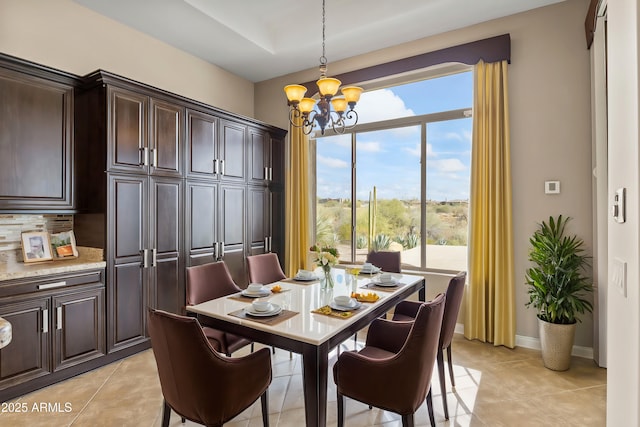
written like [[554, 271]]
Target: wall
[[67, 36], [623, 347], [549, 84]]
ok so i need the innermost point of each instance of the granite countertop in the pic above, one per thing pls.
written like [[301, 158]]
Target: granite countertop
[[88, 258]]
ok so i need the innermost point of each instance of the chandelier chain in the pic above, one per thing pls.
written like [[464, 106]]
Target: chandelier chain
[[323, 58]]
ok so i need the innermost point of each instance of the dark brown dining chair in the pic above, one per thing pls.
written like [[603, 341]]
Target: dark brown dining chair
[[407, 310], [393, 370], [264, 268], [387, 261], [196, 381], [210, 281]]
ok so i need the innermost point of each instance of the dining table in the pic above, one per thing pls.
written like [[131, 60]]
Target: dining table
[[303, 327]]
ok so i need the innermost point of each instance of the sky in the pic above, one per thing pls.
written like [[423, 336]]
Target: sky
[[390, 159]]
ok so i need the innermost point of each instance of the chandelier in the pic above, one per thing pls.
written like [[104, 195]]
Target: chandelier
[[321, 112]]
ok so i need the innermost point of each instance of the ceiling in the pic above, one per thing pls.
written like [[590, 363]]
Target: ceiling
[[262, 39]]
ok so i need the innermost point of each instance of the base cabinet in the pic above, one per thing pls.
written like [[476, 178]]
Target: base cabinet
[[53, 328]]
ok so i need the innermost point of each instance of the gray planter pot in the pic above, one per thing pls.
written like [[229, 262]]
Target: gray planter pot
[[557, 342]]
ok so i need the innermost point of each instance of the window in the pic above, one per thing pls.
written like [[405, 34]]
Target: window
[[400, 180]]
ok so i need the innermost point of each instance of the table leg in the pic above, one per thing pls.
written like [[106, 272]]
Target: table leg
[[315, 362]]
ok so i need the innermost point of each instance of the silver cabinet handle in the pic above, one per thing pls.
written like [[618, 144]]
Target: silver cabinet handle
[[145, 260], [269, 243], [45, 321], [266, 244], [145, 156], [154, 255], [270, 174], [222, 167], [221, 249], [266, 173], [154, 157], [215, 250], [215, 166], [59, 318], [52, 285]]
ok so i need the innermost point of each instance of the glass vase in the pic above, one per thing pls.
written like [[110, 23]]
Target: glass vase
[[326, 282]]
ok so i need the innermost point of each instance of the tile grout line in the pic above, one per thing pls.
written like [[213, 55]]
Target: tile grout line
[[96, 392]]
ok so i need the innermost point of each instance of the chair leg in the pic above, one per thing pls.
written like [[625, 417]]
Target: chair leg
[[166, 414], [183, 420], [453, 381], [251, 347], [443, 382], [273, 350], [340, 410], [264, 401], [407, 421], [432, 419]]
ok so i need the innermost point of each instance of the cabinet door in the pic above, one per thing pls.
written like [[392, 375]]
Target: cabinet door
[[27, 356], [277, 161], [79, 327], [202, 145], [36, 143], [232, 231], [166, 230], [232, 151], [127, 137], [276, 211], [165, 139], [201, 222], [258, 220], [260, 156], [127, 230]]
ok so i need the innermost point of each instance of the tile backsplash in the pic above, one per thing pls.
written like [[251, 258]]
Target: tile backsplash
[[13, 225]]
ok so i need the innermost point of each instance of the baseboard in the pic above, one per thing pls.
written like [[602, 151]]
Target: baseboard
[[534, 343]]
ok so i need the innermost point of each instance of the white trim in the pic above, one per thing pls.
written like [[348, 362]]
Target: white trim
[[534, 343]]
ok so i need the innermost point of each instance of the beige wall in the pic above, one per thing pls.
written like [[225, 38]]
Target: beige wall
[[623, 347], [549, 84], [64, 35]]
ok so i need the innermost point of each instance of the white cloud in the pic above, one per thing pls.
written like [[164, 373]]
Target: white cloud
[[369, 146], [447, 165], [381, 104], [331, 162], [413, 151]]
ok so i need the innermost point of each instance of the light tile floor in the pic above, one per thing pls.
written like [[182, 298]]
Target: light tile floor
[[495, 386]]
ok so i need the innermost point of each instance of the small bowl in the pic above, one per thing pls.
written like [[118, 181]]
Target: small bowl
[[343, 300], [261, 306], [254, 287], [304, 273], [386, 277]]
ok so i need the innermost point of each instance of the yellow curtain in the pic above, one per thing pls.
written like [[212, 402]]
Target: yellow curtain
[[297, 201], [490, 314]]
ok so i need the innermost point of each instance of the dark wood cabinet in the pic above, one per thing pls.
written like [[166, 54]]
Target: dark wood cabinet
[[36, 138], [58, 323], [259, 220], [27, 357], [232, 231], [201, 222], [79, 327], [233, 151]]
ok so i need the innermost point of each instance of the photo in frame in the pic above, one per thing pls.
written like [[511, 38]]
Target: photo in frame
[[64, 245], [36, 246]]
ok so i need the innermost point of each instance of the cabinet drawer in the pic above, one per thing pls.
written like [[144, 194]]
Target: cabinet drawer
[[49, 283]]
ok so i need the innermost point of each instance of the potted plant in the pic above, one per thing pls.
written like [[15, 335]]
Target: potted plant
[[557, 289]]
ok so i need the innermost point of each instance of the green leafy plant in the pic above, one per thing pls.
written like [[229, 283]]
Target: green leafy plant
[[557, 286], [380, 242]]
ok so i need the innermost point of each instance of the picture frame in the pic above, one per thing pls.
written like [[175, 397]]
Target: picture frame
[[36, 246], [63, 245]]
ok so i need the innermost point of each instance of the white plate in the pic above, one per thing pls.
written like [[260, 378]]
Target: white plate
[[262, 293], [276, 310], [305, 278], [355, 306], [385, 284]]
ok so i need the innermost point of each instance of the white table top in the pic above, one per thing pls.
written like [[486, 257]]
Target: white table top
[[306, 326]]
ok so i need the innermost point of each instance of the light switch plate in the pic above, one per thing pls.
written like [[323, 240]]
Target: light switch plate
[[619, 275], [552, 187]]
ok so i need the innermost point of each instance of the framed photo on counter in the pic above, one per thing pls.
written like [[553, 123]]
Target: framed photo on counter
[[36, 246], [64, 245]]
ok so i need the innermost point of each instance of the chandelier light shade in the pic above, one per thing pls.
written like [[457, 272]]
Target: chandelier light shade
[[329, 110]]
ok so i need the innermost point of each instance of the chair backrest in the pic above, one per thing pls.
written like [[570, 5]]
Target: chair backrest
[[455, 290], [264, 268], [388, 261], [196, 381], [418, 354], [209, 281]]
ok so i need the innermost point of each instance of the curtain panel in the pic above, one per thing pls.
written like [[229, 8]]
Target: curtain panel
[[297, 201], [490, 314]]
